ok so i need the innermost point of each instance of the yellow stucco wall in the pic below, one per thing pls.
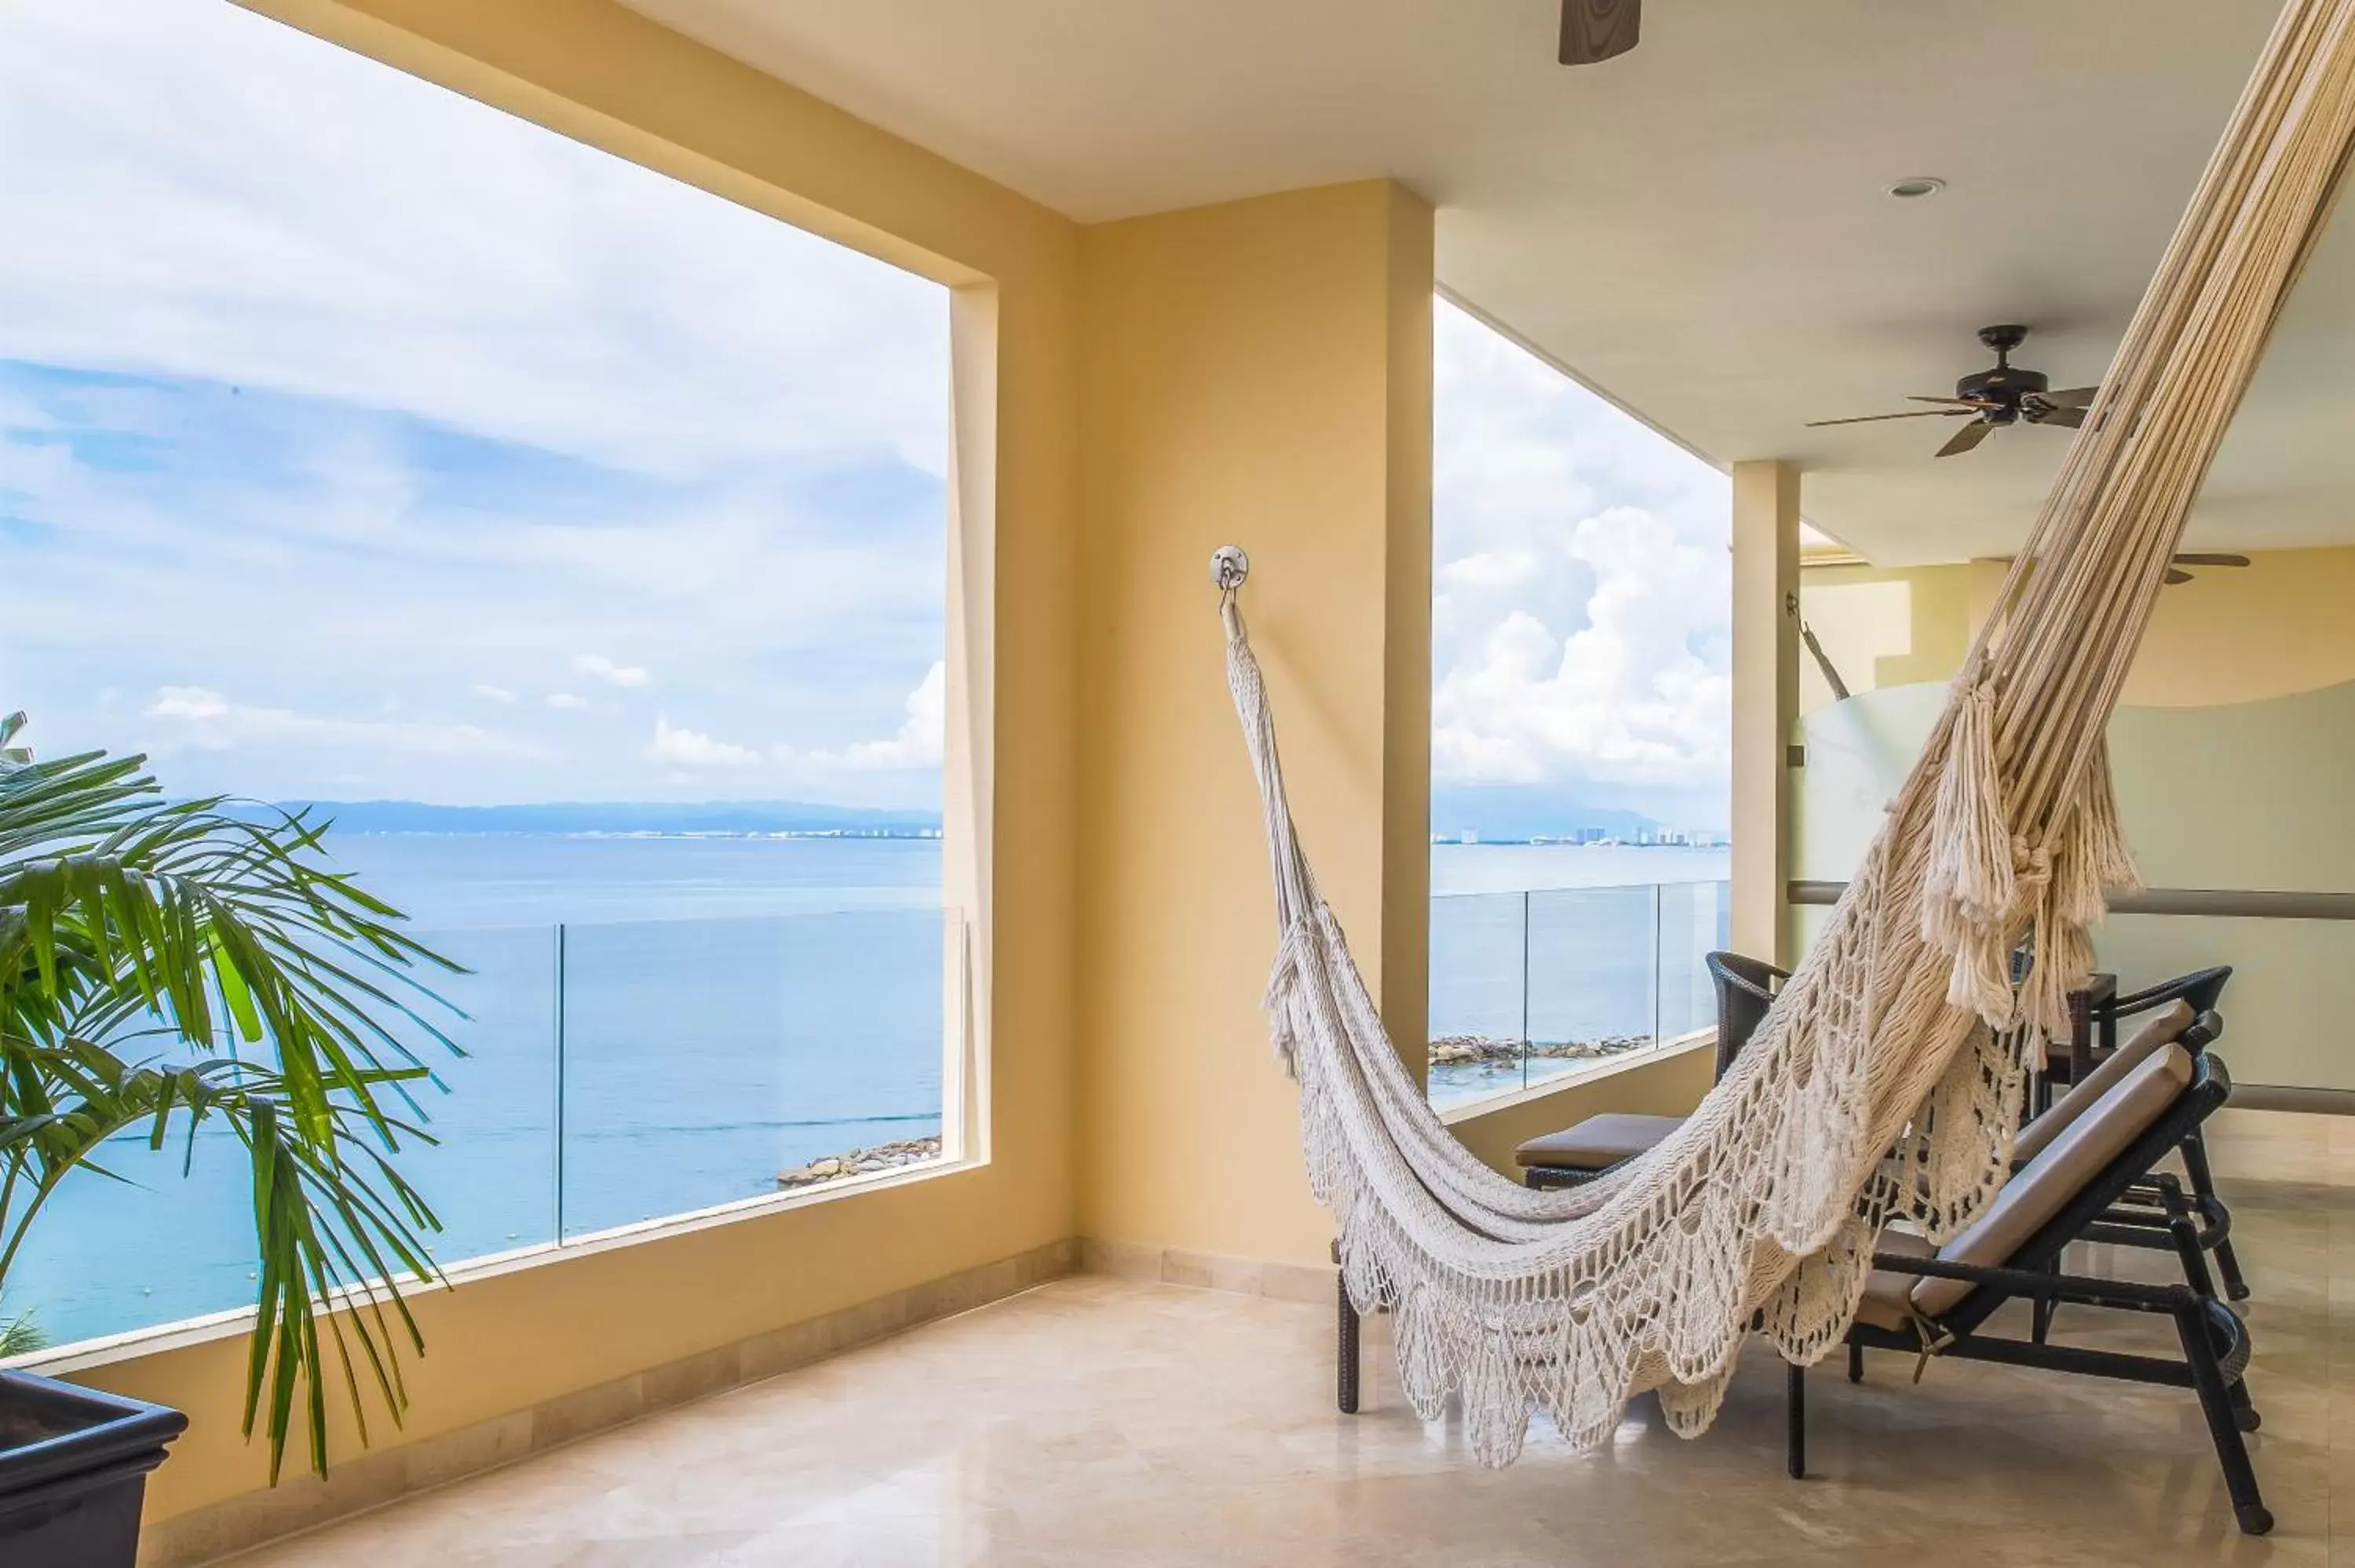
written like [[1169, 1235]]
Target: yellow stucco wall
[[1259, 374], [2279, 626], [1884, 627]]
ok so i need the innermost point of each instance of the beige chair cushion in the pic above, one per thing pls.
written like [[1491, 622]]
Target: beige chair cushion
[[2044, 1186], [1598, 1141], [2165, 1027]]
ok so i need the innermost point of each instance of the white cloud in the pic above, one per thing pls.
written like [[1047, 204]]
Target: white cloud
[[613, 675], [456, 397], [1625, 699], [286, 215], [693, 749], [1580, 612], [203, 719], [923, 735], [920, 743]]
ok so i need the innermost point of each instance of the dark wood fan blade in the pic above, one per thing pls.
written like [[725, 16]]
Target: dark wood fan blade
[[2202, 558], [1966, 438], [1909, 413], [2070, 397], [1958, 402], [1595, 30], [2175, 574], [2070, 418]]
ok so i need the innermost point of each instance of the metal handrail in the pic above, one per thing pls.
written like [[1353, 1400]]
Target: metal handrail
[[2246, 904]]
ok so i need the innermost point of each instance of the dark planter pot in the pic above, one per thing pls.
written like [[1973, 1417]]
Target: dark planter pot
[[73, 1472]]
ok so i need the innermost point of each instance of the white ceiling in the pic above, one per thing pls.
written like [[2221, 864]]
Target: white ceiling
[[1697, 229]]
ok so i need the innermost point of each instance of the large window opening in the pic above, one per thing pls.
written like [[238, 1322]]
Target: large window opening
[[574, 539], [1580, 723]]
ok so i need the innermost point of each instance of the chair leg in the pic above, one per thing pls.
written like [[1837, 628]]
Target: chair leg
[[1855, 1363], [1345, 1357], [2224, 1427], [2185, 1232], [1795, 1454], [2203, 1185]]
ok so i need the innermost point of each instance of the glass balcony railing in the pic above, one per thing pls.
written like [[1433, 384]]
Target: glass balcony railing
[[616, 1074], [1526, 986]]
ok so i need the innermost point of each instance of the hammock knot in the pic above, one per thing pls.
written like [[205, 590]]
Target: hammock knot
[[1282, 982], [2032, 869]]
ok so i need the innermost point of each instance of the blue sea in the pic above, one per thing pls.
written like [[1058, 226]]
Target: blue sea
[[659, 1024]]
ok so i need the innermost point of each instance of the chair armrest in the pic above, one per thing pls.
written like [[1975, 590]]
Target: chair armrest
[[2201, 989]]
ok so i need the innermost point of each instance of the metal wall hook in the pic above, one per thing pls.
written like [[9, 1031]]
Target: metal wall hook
[[1228, 567]]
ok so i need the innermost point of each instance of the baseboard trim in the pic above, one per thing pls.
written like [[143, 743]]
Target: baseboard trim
[[373, 1479], [1210, 1270], [2285, 1098]]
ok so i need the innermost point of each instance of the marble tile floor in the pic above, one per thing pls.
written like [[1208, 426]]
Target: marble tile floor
[[1110, 1421]]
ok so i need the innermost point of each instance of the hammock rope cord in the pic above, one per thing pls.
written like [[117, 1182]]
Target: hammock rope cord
[[1885, 1082]]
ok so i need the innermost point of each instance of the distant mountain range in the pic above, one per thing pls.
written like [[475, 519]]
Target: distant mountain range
[[620, 817], [1513, 811], [1493, 812]]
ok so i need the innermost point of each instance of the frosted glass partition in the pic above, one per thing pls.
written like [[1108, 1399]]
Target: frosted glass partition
[[1528, 986], [613, 1074]]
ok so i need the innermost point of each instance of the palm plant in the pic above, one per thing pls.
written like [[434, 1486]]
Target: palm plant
[[166, 965]]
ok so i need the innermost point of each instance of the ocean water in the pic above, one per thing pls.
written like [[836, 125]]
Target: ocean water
[[1568, 943], [730, 1007]]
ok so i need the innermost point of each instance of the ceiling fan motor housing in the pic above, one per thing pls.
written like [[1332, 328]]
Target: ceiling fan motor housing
[[2004, 385]]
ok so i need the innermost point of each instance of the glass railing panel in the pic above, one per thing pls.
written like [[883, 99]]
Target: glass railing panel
[[173, 1239], [1695, 919], [1593, 976], [1478, 994], [704, 1060]]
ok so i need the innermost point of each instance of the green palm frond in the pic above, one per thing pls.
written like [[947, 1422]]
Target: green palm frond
[[21, 1336], [280, 999]]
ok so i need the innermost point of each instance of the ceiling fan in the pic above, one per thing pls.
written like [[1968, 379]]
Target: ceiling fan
[[1595, 30], [2175, 564], [1993, 399]]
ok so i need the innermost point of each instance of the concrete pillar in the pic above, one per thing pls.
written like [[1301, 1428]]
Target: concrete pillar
[[1256, 373], [1765, 700]]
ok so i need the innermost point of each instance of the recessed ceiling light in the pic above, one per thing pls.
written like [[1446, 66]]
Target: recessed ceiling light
[[1918, 187]]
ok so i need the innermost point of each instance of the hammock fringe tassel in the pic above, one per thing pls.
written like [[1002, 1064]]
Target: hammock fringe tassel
[[1885, 1082]]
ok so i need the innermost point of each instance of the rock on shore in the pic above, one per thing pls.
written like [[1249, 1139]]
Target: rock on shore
[[861, 1162], [1489, 1049]]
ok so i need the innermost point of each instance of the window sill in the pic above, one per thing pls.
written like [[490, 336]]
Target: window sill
[[1577, 1077], [63, 1361]]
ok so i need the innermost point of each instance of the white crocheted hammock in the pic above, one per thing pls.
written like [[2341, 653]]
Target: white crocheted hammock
[[1896, 1048]]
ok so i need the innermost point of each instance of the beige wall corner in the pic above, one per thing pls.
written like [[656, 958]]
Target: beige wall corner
[[1765, 700], [1256, 373]]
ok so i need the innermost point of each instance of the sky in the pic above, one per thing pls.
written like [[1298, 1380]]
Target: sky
[[358, 441], [1582, 598]]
